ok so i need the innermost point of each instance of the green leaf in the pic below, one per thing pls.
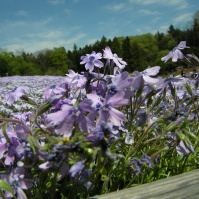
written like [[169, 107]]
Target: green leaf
[[33, 143], [45, 107], [28, 100], [188, 88], [5, 133], [5, 186], [173, 90]]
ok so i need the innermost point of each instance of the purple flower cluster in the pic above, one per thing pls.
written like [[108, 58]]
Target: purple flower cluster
[[136, 164], [92, 118]]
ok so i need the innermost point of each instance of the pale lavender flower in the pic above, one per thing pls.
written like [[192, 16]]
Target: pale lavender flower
[[76, 168], [145, 159], [16, 179], [59, 104], [135, 164], [24, 117], [183, 149], [17, 93], [56, 160], [151, 71], [138, 82], [53, 90], [120, 82], [75, 79], [9, 148], [97, 137], [64, 119], [114, 57], [106, 108], [176, 54], [92, 60]]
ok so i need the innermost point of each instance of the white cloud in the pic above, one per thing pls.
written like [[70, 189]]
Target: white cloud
[[164, 28], [91, 41], [16, 24], [44, 40], [148, 12], [146, 2], [75, 39], [56, 2], [22, 13], [180, 4], [155, 19], [116, 7], [67, 11], [49, 34], [183, 18]]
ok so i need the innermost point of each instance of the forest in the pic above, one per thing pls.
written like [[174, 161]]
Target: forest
[[139, 52]]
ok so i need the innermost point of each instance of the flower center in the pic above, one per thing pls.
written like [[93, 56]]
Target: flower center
[[98, 106], [91, 58], [75, 113], [112, 90], [105, 108]]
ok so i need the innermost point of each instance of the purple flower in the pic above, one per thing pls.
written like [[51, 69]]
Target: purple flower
[[138, 82], [75, 79], [145, 159], [92, 60], [110, 56], [181, 147], [17, 93], [106, 108], [96, 136], [76, 168], [16, 179], [120, 82], [136, 164], [176, 54], [80, 175], [53, 90], [64, 119], [56, 161], [151, 72], [10, 147], [24, 117]]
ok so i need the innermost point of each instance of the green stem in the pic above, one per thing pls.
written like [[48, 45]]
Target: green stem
[[129, 184], [134, 149], [2, 195], [131, 115]]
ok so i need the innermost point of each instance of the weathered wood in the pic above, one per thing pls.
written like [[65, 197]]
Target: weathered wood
[[181, 186]]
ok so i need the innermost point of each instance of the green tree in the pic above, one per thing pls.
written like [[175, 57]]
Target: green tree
[[59, 61], [3, 66], [128, 54], [116, 47], [75, 58], [44, 60], [138, 57]]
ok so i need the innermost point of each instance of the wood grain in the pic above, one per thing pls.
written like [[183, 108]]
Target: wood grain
[[181, 186]]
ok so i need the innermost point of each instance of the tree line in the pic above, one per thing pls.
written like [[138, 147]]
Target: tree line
[[139, 52]]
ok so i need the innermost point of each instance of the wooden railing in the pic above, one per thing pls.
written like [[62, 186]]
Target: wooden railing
[[181, 186]]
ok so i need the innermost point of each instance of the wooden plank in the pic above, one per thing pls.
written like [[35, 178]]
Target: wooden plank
[[181, 186]]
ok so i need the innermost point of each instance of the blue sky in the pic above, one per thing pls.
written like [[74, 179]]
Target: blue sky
[[32, 25]]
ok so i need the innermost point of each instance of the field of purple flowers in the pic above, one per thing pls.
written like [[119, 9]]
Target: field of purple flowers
[[98, 131]]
